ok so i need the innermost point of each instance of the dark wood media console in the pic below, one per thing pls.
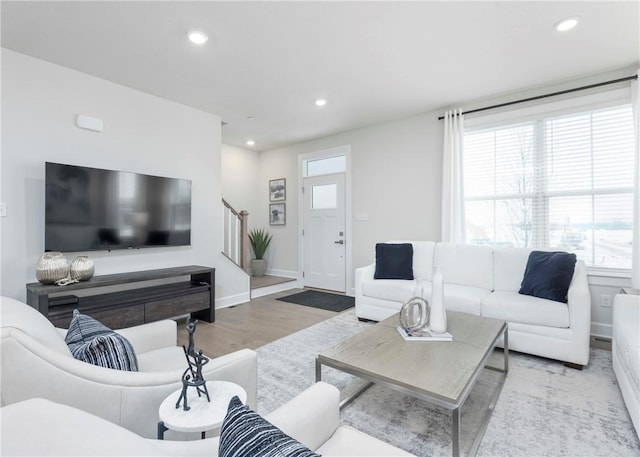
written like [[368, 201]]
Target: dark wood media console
[[138, 304]]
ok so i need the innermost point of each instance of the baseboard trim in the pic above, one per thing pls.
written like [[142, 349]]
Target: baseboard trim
[[232, 300], [602, 330]]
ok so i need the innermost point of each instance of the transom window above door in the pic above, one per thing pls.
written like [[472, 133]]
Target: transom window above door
[[325, 166]]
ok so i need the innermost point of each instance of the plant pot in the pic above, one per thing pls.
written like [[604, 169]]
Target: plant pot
[[258, 267]]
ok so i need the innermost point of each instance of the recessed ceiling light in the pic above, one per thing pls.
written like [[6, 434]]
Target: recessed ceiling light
[[321, 102], [566, 24], [250, 142], [198, 37]]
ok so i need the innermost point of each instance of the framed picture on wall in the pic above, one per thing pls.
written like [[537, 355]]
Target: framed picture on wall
[[278, 190], [277, 214]]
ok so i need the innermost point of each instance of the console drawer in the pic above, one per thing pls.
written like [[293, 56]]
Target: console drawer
[[176, 306], [114, 318]]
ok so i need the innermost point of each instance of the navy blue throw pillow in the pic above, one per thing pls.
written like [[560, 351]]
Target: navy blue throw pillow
[[92, 342], [394, 261], [548, 275], [245, 433]]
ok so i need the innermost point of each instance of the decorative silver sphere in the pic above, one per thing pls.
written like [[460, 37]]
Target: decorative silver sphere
[[82, 268], [52, 267]]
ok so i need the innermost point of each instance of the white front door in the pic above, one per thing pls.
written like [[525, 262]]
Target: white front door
[[324, 232]]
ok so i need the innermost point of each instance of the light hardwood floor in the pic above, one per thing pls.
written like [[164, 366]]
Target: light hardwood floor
[[252, 324]]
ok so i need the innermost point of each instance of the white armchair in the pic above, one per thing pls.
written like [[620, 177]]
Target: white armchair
[[311, 418], [36, 362]]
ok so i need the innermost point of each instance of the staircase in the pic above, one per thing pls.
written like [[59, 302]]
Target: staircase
[[267, 284], [236, 248], [235, 235]]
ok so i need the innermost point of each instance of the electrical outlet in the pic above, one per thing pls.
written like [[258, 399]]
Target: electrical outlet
[[605, 301]]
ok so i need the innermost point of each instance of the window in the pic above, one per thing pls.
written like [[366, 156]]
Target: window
[[563, 181], [324, 196], [326, 165]]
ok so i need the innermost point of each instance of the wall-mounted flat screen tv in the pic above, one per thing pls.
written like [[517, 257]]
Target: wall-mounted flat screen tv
[[89, 209]]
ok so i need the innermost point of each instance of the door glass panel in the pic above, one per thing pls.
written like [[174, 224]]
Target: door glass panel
[[324, 197], [326, 166]]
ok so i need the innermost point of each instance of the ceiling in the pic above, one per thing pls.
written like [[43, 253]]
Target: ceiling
[[372, 61]]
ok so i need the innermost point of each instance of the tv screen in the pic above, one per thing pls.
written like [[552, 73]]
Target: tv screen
[[88, 209]]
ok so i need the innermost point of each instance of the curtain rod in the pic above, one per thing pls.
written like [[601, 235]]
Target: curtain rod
[[553, 94]]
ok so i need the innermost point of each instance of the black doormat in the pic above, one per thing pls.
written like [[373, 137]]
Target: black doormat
[[323, 300]]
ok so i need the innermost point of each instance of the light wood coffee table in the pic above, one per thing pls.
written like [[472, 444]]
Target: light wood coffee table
[[441, 373]]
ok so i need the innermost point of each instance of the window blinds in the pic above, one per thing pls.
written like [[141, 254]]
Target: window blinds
[[562, 182]]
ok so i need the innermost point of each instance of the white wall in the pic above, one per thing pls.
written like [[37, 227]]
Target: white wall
[[142, 133], [396, 180], [240, 179]]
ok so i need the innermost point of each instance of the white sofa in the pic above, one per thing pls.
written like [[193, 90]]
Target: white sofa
[[36, 362], [626, 352], [485, 281], [40, 427]]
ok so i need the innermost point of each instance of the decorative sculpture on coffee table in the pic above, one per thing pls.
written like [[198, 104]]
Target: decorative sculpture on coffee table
[[414, 315], [438, 320], [192, 376]]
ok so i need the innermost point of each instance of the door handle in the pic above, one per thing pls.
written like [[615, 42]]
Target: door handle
[[339, 242]]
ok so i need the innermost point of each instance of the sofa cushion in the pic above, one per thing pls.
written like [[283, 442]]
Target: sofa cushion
[[423, 259], [347, 441], [464, 299], [390, 289], [525, 309], [508, 266], [23, 317], [548, 275], [394, 261], [465, 264], [92, 342], [246, 433]]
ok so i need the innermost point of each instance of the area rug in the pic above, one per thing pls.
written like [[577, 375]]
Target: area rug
[[545, 408], [323, 300]]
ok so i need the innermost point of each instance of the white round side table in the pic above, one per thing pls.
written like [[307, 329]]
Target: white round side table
[[203, 415]]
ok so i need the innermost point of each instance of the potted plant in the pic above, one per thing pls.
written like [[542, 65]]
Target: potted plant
[[259, 239]]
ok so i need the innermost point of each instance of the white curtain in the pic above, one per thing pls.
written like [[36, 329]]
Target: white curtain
[[452, 178], [635, 259]]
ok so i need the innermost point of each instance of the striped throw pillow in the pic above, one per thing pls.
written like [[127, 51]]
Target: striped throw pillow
[[95, 343], [245, 433]]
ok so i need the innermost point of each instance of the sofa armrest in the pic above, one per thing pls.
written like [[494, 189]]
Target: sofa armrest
[[139, 406], [240, 367], [579, 302], [146, 337], [151, 336], [363, 274], [311, 417]]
